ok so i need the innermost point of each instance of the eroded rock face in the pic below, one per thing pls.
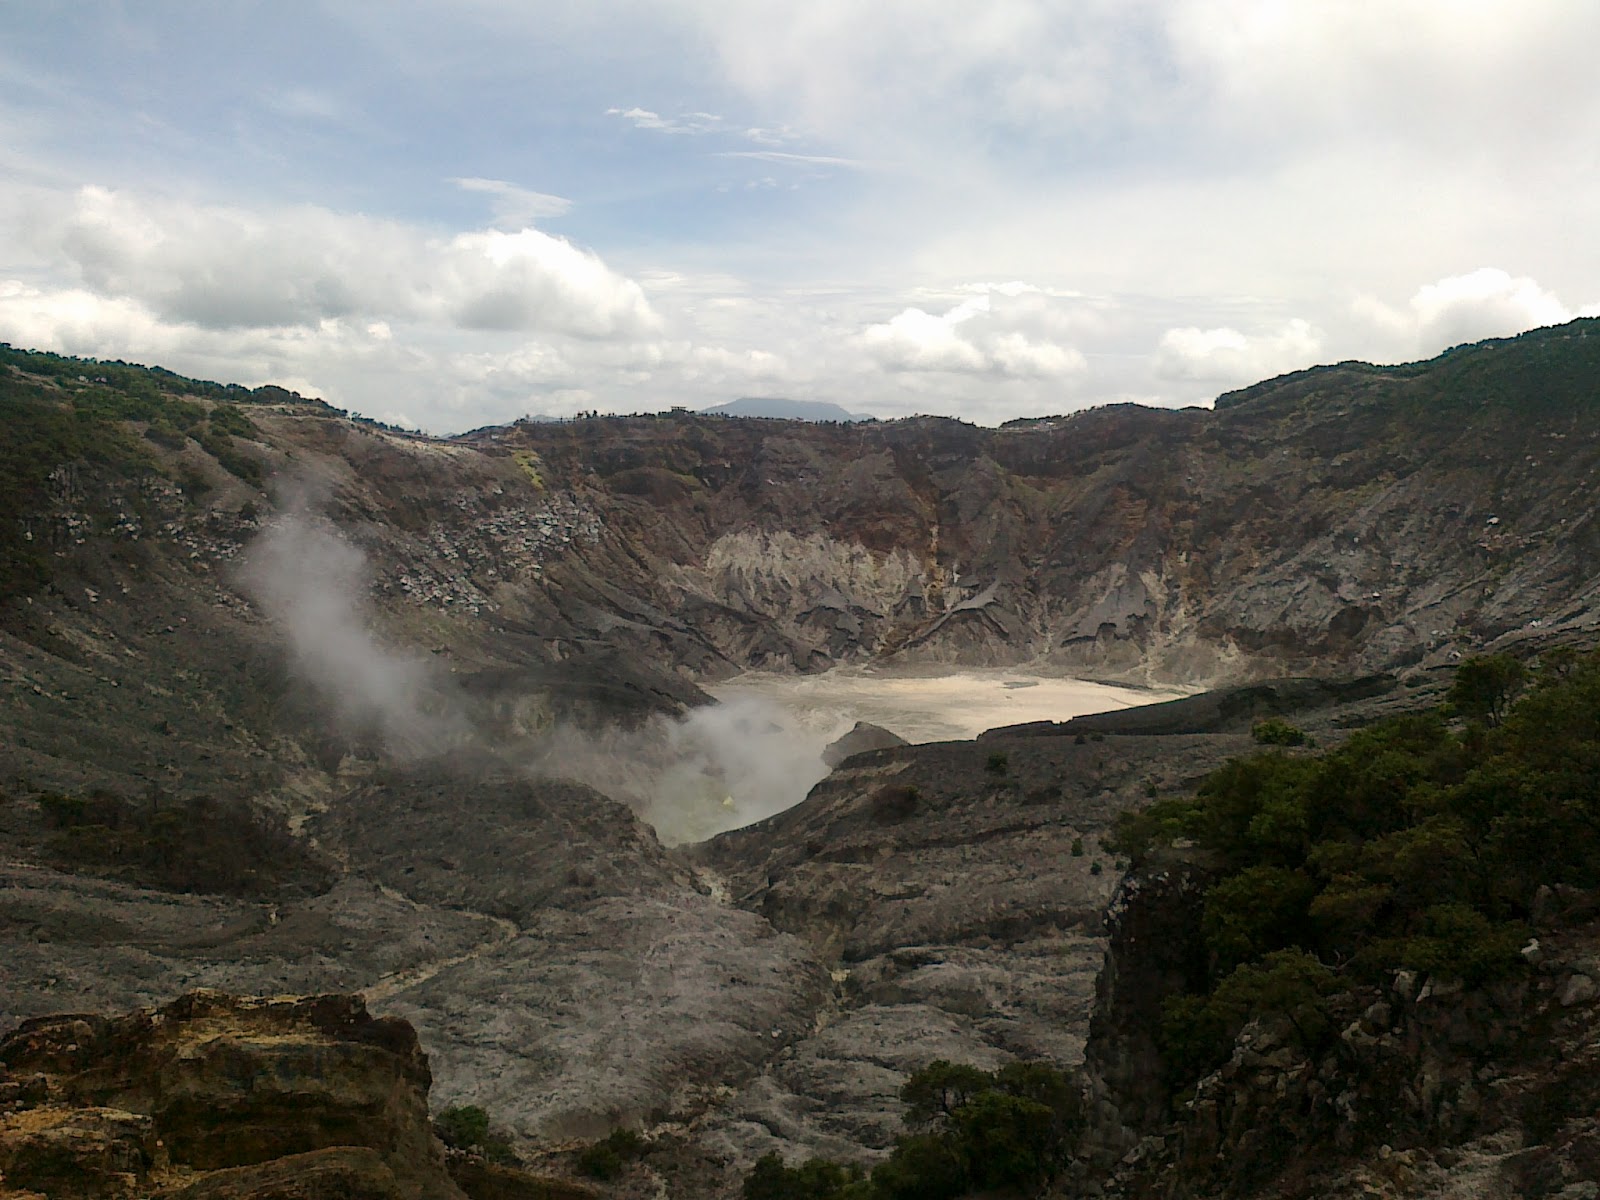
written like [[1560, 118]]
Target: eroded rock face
[[218, 1096]]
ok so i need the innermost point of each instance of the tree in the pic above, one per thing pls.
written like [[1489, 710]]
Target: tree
[[940, 1088], [1485, 686]]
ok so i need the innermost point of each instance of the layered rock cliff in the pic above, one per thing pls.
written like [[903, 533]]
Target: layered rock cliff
[[214, 1096]]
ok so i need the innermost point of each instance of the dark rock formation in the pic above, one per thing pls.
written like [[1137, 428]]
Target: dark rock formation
[[863, 737], [1222, 710]]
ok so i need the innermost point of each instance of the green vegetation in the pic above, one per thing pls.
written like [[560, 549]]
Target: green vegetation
[[1413, 845], [462, 1127], [69, 371], [195, 844], [973, 1131], [1274, 731], [817, 1179], [606, 1158], [532, 466], [1484, 687], [997, 763], [466, 1127], [60, 412]]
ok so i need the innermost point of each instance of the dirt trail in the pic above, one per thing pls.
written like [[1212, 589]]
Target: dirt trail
[[388, 986]]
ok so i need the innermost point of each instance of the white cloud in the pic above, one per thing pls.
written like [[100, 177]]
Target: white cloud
[[513, 206], [694, 122], [1226, 356], [1485, 303], [230, 268], [1193, 190], [530, 280], [917, 340], [780, 156]]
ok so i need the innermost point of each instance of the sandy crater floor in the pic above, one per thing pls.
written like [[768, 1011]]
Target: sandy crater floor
[[923, 707]]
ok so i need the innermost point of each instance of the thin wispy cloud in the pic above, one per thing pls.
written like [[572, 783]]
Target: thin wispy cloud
[[695, 122], [515, 206], [782, 156]]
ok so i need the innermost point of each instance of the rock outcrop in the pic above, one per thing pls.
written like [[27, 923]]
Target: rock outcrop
[[212, 1097], [864, 736]]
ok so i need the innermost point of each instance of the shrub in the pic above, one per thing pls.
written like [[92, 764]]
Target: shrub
[[1411, 845], [940, 1088], [1007, 1130], [221, 447], [462, 1127], [816, 1179], [997, 763], [1275, 731], [1197, 1032], [1077, 847], [230, 419], [606, 1158], [894, 802]]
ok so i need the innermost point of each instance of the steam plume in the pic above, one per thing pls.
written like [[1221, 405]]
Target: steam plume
[[312, 584], [713, 769]]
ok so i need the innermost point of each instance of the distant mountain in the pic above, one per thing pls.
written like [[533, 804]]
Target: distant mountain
[[786, 410]]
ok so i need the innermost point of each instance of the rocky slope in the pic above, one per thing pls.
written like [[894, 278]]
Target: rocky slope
[[191, 634]]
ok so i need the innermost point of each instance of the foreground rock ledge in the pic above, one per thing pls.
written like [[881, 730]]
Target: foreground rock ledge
[[217, 1096]]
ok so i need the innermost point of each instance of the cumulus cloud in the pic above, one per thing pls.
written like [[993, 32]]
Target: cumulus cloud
[[1227, 356], [230, 268], [1484, 303], [974, 337]]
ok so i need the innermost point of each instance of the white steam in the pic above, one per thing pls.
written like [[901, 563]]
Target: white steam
[[691, 777], [313, 585]]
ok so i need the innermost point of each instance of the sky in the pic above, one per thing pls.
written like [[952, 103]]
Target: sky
[[451, 214]]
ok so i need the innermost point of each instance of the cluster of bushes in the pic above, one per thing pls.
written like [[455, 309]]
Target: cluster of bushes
[[1275, 731], [171, 420], [973, 1131], [1415, 844], [192, 844], [606, 1158], [118, 376], [466, 1127]]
